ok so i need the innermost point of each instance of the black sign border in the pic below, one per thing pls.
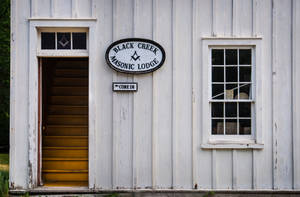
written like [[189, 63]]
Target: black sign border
[[137, 86], [136, 40]]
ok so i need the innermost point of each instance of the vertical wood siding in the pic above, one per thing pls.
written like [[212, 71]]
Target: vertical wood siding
[[142, 108], [122, 104], [162, 92], [263, 159], [104, 125], [282, 91], [151, 138], [203, 26]]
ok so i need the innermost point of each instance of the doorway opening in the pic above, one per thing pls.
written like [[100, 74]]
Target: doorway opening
[[64, 121]]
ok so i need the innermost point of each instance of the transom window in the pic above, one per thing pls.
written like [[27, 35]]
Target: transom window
[[232, 102], [63, 40]]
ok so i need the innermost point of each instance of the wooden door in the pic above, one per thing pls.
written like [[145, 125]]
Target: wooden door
[[65, 122]]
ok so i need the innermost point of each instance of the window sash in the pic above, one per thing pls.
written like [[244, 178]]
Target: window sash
[[251, 99], [238, 118]]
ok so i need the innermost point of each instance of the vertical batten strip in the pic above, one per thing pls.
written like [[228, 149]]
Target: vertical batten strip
[[214, 18], [214, 169], [296, 93], [52, 8], [194, 44], [234, 169], [33, 8], [274, 128], [74, 8], [154, 102], [131, 78], [254, 152], [174, 130], [254, 169], [292, 94], [134, 135], [115, 123], [234, 19], [214, 151], [254, 18], [93, 9]]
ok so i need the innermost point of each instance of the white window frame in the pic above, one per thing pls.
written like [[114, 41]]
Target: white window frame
[[253, 141]]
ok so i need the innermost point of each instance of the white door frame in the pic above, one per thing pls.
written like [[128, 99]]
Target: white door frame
[[34, 26]]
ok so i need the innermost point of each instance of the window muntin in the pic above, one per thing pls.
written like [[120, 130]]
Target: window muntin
[[63, 40], [231, 100]]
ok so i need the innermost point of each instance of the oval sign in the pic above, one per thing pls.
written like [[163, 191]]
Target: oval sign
[[135, 56]]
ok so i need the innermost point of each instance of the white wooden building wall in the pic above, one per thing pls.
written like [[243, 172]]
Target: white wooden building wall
[[151, 138]]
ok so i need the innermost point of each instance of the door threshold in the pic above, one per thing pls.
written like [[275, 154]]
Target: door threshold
[[45, 188]]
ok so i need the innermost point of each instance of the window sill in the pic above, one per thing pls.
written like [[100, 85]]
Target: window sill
[[231, 144]]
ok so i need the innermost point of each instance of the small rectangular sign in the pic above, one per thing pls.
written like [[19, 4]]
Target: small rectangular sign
[[124, 86]]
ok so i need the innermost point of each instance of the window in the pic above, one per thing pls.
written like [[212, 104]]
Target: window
[[231, 93], [63, 42], [231, 100]]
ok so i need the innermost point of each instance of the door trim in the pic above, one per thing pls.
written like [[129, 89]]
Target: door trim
[[33, 94]]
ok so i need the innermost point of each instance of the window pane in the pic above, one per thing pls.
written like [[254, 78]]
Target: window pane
[[63, 40], [217, 110], [48, 40], [217, 126], [230, 127], [231, 91], [218, 74], [217, 57], [245, 74], [231, 74], [231, 109], [244, 109], [79, 40], [245, 92], [245, 56], [245, 127], [218, 91], [231, 56]]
